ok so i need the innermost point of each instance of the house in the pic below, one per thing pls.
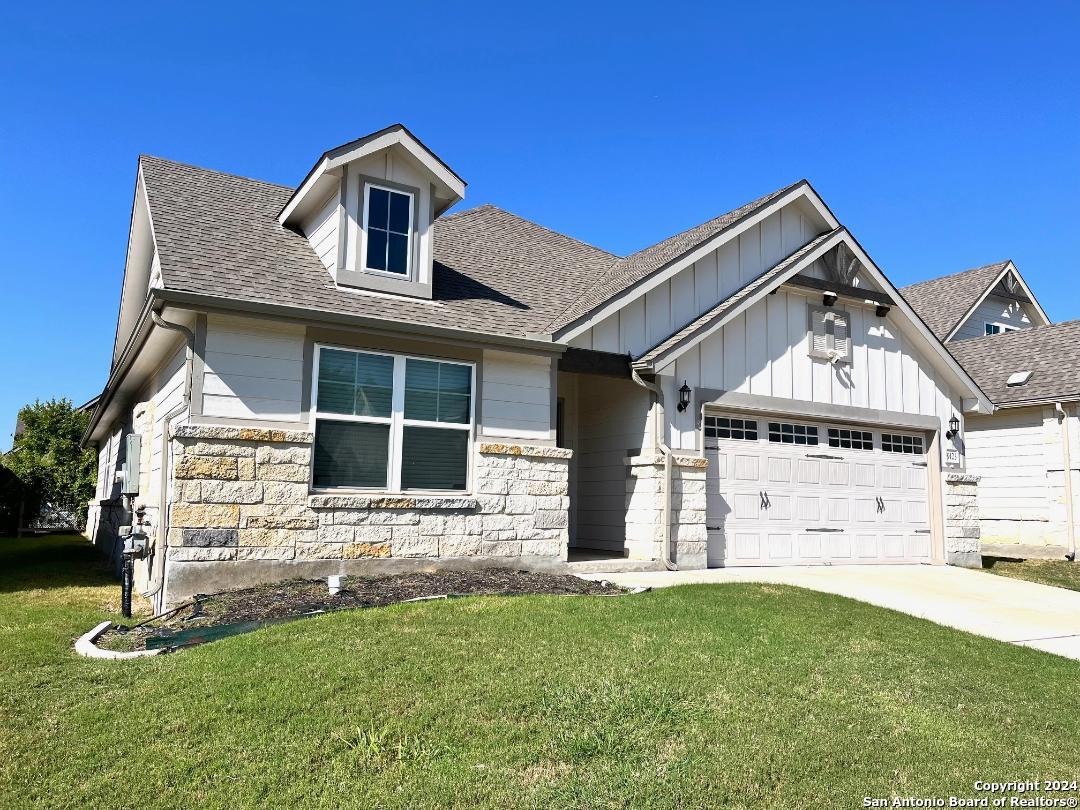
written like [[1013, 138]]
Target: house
[[346, 377], [1030, 368]]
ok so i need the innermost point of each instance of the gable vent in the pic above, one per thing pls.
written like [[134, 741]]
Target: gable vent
[[1018, 379], [831, 335]]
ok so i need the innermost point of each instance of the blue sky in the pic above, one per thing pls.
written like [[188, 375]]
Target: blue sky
[[945, 135]]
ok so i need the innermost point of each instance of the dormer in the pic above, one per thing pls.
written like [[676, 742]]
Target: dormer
[[367, 208]]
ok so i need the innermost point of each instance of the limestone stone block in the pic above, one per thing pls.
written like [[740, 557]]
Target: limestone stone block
[[541, 548], [279, 522], [372, 534], [521, 504], [336, 534], [493, 486], [459, 546], [287, 454], [548, 488], [245, 469], [491, 504], [208, 538], [358, 551], [432, 524], [220, 468], [246, 492], [266, 553], [551, 519], [497, 522], [280, 492], [206, 516], [275, 537], [212, 554], [282, 472], [220, 448], [500, 548], [319, 551], [412, 545]]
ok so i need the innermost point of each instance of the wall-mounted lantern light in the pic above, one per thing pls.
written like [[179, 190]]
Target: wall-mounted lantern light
[[684, 397], [954, 428], [829, 299]]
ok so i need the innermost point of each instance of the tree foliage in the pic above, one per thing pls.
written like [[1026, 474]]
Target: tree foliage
[[48, 462]]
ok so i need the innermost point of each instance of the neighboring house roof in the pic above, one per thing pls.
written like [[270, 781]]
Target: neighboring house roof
[[495, 273], [943, 302], [628, 271], [1051, 353]]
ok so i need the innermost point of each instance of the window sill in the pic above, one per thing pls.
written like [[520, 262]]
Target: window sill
[[329, 501]]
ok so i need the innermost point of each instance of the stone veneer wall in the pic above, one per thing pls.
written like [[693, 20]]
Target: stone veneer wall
[[241, 513], [962, 542], [645, 509]]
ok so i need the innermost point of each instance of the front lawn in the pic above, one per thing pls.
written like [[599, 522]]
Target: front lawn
[[746, 695], [1060, 573]]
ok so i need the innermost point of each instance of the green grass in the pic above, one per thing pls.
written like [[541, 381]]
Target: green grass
[[1059, 573], [745, 695]]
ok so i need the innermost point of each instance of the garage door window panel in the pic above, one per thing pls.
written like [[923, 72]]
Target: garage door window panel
[[790, 433], [849, 439], [723, 427], [902, 443]]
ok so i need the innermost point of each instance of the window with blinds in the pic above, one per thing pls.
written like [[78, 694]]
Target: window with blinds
[[830, 337], [391, 422]]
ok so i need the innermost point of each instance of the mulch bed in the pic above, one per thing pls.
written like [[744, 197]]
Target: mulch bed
[[298, 597]]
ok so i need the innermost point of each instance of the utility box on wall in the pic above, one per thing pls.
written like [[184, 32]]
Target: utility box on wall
[[129, 484]]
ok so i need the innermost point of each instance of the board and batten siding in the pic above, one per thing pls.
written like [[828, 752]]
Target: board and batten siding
[[994, 309], [647, 320], [253, 369], [766, 351], [165, 393], [516, 396]]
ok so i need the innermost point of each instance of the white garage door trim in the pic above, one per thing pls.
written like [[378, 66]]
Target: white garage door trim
[[815, 492]]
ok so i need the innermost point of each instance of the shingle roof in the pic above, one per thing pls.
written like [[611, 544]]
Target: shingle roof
[[942, 302], [1052, 353], [628, 271], [495, 273], [733, 300]]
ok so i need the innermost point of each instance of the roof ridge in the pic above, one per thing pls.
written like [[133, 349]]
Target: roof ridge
[[956, 274], [144, 155]]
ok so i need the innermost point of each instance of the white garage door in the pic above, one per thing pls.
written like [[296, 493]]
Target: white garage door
[[792, 492]]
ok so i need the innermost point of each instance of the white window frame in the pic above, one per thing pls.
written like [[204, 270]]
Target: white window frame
[[396, 421], [365, 201], [1001, 328]]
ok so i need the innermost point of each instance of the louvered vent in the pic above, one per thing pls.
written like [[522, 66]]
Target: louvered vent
[[830, 335]]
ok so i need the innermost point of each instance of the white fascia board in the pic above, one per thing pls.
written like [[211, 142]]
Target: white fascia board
[[681, 348], [1009, 267], [302, 193], [452, 184], [627, 296], [935, 346]]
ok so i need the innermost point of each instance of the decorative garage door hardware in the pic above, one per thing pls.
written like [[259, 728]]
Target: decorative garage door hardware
[[765, 502], [825, 456]]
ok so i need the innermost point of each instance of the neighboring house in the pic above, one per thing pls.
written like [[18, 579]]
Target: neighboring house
[[1030, 369], [342, 377]]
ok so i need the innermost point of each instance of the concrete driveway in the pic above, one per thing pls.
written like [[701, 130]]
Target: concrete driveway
[[976, 601]]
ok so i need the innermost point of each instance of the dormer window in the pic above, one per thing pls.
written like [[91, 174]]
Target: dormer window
[[388, 227]]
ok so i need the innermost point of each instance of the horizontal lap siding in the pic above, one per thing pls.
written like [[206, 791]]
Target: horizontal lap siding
[[322, 231], [516, 391], [612, 423], [1010, 452], [253, 370]]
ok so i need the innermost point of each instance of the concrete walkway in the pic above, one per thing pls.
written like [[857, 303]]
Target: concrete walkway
[[976, 601]]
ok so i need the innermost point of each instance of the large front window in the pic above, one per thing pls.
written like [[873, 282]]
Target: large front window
[[390, 422], [388, 229]]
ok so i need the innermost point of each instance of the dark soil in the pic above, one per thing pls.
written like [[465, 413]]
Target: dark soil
[[300, 597]]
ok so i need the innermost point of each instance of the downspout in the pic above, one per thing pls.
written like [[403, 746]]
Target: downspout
[[161, 542], [1063, 419], [658, 438]]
